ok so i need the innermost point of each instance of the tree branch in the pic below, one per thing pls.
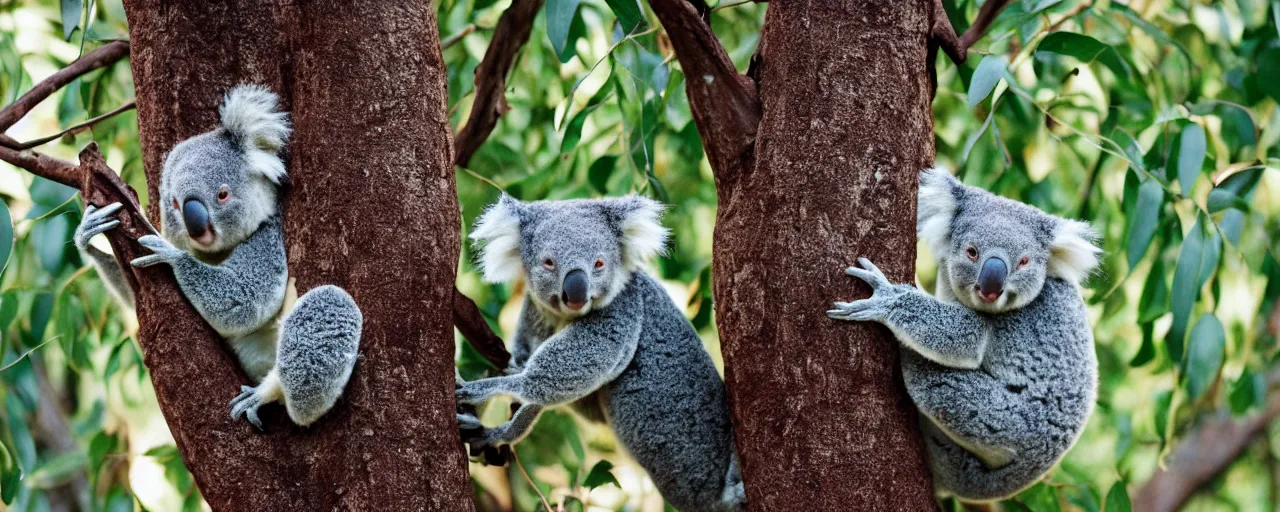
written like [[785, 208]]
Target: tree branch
[[44, 166], [1204, 454], [944, 35], [490, 103], [724, 103], [469, 321], [76, 128], [101, 57]]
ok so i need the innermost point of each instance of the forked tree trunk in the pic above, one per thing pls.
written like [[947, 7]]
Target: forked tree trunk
[[816, 165], [372, 209]]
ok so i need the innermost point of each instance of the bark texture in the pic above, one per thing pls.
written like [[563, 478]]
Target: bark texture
[[828, 174], [372, 209]]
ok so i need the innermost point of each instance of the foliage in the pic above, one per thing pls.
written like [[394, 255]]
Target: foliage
[[1157, 121]]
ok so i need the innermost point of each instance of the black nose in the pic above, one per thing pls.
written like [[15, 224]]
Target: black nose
[[991, 279], [575, 289], [196, 217]]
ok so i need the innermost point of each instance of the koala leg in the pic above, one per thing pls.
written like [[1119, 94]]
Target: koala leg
[[734, 497], [958, 472], [318, 343]]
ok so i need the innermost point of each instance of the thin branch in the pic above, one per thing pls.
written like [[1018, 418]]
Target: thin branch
[[76, 128], [101, 57], [453, 39], [472, 325], [490, 102], [724, 103], [943, 35], [44, 166]]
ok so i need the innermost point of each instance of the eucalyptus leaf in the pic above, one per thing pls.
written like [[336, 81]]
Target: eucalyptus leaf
[[72, 10], [1086, 49], [630, 15], [1191, 152], [1144, 219], [560, 14], [990, 70], [600, 475], [1118, 499], [1204, 355], [1201, 250]]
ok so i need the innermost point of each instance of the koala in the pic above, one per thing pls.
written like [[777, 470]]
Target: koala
[[1000, 362], [224, 238], [599, 334]]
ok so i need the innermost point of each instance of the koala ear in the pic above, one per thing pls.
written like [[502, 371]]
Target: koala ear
[[498, 228], [1072, 253], [642, 234], [249, 114], [936, 208]]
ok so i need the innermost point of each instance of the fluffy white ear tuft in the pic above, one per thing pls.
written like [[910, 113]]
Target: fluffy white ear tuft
[[249, 114], [643, 237], [498, 228], [1072, 253], [935, 209]]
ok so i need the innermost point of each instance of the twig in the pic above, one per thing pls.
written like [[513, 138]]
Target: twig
[[732, 4], [27, 353], [510, 34], [101, 57], [76, 128], [545, 503], [943, 35], [453, 39]]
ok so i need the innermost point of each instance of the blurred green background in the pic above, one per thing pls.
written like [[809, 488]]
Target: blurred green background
[[1155, 120]]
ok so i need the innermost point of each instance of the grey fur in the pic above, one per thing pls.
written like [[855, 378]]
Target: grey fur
[[1004, 388], [629, 357], [237, 278]]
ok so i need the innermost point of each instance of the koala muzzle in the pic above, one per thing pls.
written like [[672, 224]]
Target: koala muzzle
[[575, 289], [991, 279], [196, 218]]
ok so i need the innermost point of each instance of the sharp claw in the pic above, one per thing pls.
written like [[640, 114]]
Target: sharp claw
[[252, 416]]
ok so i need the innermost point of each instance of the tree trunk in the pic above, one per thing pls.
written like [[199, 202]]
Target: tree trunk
[[372, 209], [828, 174]]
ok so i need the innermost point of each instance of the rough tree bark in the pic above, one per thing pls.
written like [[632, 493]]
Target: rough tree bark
[[373, 209], [815, 166]]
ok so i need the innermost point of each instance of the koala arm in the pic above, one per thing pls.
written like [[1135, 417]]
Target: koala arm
[[531, 331], [239, 295], [945, 333], [95, 221], [573, 363]]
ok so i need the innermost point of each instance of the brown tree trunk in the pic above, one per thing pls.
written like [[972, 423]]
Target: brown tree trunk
[[372, 208], [825, 172]]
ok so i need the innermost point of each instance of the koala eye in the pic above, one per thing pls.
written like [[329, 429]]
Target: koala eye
[[548, 264], [599, 263], [1023, 261], [224, 193], [972, 252]]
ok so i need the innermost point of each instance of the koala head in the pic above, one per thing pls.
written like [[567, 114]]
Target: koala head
[[574, 255], [220, 186], [995, 252]]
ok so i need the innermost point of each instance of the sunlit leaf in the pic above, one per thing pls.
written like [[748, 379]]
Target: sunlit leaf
[[1191, 153], [1118, 499], [1144, 219], [1086, 49], [560, 14], [72, 10], [990, 70], [630, 15], [1204, 355]]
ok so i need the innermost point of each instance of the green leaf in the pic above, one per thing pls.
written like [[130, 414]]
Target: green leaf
[[1085, 48], [572, 504], [56, 470], [600, 475], [1154, 301], [8, 309], [1204, 355], [10, 475], [1191, 151], [1164, 405], [573, 130], [1196, 262], [1235, 191], [6, 235], [1035, 6], [1144, 219], [990, 70], [1269, 72], [630, 15], [560, 14], [1247, 392], [1146, 351], [71, 12], [1118, 499], [600, 171]]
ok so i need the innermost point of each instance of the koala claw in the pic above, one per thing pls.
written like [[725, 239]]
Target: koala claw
[[94, 222], [247, 404], [469, 422], [857, 311], [868, 273], [164, 252]]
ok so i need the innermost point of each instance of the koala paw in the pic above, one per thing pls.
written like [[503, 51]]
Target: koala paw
[[162, 252], [876, 308], [95, 221], [486, 444], [475, 392], [247, 405]]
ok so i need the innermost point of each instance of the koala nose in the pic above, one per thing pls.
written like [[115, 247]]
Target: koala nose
[[991, 279], [196, 218], [575, 289]]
